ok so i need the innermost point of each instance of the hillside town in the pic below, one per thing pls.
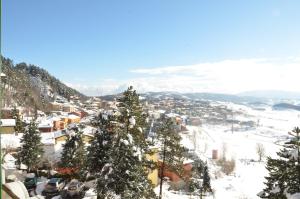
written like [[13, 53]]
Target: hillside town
[[56, 127], [193, 121], [149, 99]]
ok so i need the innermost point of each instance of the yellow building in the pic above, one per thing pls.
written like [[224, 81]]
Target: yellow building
[[59, 125], [69, 108], [7, 126], [153, 175], [62, 138], [64, 119], [73, 119], [56, 106]]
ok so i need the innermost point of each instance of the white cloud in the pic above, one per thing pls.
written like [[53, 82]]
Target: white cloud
[[228, 76]]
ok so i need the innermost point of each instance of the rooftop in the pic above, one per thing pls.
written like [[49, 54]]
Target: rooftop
[[8, 122]]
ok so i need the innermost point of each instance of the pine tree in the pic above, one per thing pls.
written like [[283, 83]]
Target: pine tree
[[294, 162], [19, 127], [100, 153], [206, 180], [133, 120], [172, 151], [284, 172], [117, 156], [74, 154], [133, 117], [127, 170], [31, 150], [198, 168], [275, 185]]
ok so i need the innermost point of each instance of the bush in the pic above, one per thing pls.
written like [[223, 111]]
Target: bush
[[227, 166], [176, 186]]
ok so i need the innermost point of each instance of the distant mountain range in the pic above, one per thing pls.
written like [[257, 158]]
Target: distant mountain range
[[271, 94], [31, 86], [193, 96], [255, 102], [286, 106]]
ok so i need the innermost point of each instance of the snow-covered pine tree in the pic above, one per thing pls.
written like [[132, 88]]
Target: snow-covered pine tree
[[100, 152], [133, 116], [131, 148], [19, 127], [126, 170], [118, 152], [31, 150], [284, 172], [171, 149], [294, 162], [206, 188], [275, 184], [198, 168], [73, 156]]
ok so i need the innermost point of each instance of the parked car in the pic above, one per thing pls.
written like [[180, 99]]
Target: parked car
[[53, 187], [75, 189], [30, 181]]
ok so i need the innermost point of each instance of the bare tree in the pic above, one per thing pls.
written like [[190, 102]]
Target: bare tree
[[260, 150]]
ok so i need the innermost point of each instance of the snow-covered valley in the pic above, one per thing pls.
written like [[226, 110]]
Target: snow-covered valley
[[247, 180]]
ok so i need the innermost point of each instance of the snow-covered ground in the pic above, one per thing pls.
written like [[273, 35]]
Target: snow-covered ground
[[248, 178], [271, 130]]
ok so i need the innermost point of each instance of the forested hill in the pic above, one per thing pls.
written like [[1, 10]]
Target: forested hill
[[31, 86]]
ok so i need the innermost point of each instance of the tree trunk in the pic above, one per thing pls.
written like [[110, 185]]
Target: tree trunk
[[162, 171]]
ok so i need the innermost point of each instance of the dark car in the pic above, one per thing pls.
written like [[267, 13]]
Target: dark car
[[53, 187], [30, 182], [75, 189]]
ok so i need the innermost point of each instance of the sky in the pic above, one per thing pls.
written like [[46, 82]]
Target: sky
[[102, 46]]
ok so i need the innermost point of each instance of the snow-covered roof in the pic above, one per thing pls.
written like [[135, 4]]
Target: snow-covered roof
[[73, 116], [184, 116], [45, 124], [8, 122], [90, 131], [89, 112], [13, 141], [55, 103], [18, 188], [172, 115], [7, 108], [48, 138], [68, 105], [188, 161], [9, 158], [10, 140], [59, 133], [27, 119], [55, 118]]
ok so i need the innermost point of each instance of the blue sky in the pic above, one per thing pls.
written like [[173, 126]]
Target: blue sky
[[104, 45]]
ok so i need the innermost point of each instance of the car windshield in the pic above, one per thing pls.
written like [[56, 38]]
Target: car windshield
[[54, 180]]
